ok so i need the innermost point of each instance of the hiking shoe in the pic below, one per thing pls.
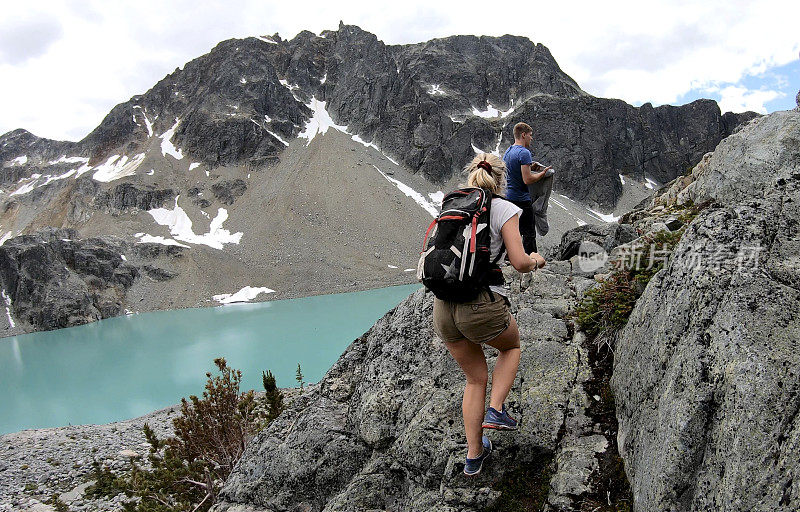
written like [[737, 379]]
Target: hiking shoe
[[499, 420], [473, 466]]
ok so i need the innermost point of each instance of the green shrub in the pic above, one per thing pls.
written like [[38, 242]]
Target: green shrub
[[274, 397], [607, 306]]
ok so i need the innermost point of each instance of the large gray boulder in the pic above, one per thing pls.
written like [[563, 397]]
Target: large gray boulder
[[604, 236], [705, 371]]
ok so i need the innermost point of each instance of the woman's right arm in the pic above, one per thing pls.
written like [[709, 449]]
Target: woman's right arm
[[520, 260]]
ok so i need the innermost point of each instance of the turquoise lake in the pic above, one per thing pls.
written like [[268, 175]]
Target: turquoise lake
[[124, 367]]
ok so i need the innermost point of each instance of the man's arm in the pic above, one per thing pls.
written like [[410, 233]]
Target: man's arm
[[528, 176]]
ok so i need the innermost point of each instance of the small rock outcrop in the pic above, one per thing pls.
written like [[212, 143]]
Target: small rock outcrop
[[605, 236], [227, 192], [705, 371], [126, 196]]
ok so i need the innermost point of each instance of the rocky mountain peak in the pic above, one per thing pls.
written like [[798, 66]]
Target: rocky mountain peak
[[428, 105]]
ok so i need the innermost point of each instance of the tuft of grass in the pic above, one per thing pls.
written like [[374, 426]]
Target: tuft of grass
[[608, 306], [57, 504]]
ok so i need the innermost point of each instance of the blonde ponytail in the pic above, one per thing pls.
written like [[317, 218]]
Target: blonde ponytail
[[487, 171]]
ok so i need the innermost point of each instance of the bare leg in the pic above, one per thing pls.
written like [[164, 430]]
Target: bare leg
[[505, 369], [470, 358]]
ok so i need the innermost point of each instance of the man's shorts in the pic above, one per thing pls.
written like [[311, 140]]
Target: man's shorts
[[479, 320]]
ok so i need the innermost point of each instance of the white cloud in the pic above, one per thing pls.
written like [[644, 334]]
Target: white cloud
[[740, 99], [102, 53]]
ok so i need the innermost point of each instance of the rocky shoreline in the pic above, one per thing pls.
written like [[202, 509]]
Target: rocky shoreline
[[36, 465]]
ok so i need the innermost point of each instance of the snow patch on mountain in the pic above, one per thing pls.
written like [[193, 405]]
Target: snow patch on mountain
[[246, 294], [145, 238], [167, 147], [437, 198], [115, 168], [7, 300], [603, 216], [410, 192], [180, 227], [650, 184], [558, 203], [69, 160], [27, 187], [320, 121], [491, 112], [147, 122], [436, 90], [278, 137], [373, 146]]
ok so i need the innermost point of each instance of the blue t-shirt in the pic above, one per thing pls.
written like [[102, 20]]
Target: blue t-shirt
[[515, 157]]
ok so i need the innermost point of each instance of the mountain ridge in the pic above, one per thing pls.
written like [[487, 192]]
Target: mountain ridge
[[418, 102]]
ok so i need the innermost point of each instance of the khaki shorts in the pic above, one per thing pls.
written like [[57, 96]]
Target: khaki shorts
[[479, 320]]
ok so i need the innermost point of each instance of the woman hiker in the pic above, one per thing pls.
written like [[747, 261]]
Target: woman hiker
[[465, 327]]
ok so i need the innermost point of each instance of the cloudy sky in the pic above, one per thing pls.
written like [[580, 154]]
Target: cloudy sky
[[65, 64]]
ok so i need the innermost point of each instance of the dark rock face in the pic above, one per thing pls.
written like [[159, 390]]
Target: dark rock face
[[54, 280], [705, 370], [227, 192], [39, 151], [606, 236], [126, 196], [591, 140]]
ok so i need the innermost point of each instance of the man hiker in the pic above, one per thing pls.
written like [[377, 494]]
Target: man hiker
[[519, 175]]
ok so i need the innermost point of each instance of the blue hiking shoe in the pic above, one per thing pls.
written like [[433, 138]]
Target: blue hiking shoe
[[499, 420], [473, 466]]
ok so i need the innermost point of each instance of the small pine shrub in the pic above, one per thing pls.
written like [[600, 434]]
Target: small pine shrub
[[188, 470], [274, 397], [299, 377], [106, 482]]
